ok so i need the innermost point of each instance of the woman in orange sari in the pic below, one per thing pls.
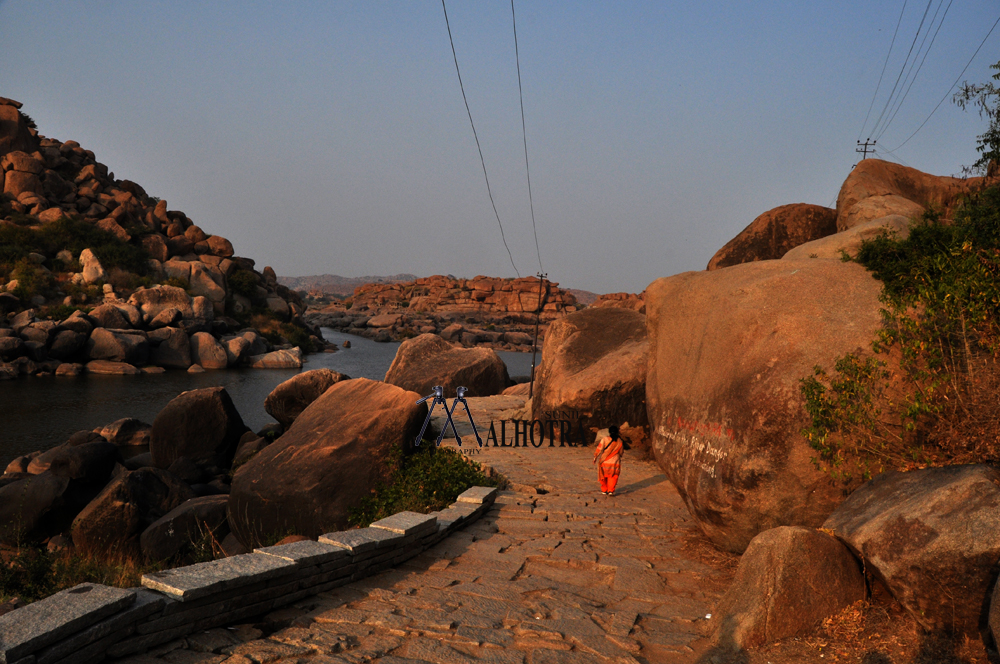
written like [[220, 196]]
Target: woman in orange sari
[[608, 458]]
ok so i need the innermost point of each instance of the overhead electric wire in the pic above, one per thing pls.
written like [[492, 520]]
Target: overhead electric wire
[[920, 66], [884, 65], [478, 147], [949, 89], [524, 135], [892, 93]]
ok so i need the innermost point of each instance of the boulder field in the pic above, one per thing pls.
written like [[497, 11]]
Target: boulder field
[[45, 183], [207, 477]]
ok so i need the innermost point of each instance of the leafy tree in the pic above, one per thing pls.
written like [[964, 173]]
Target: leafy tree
[[986, 98]]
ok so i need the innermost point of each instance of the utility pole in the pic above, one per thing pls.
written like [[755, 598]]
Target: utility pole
[[534, 346], [864, 148]]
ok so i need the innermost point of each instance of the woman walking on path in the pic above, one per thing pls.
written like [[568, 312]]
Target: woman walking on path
[[608, 458]]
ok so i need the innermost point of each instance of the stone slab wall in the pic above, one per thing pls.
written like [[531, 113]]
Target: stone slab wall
[[90, 622]]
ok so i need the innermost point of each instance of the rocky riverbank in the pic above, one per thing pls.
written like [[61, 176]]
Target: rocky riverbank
[[93, 271]]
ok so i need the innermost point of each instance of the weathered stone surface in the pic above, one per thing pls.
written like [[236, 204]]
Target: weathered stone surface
[[220, 246], [278, 359], [291, 397], [789, 579], [109, 316], [897, 189], [408, 523], [196, 581], [208, 352], [594, 363], [333, 454], [362, 539], [111, 368], [78, 322], [775, 232], [191, 520], [92, 268], [850, 241], [17, 183], [14, 131], [236, 350], [126, 431], [478, 495], [166, 318], [67, 344], [90, 462], [202, 425], [152, 301], [130, 503], [58, 616], [25, 503], [306, 552], [427, 360], [174, 351], [932, 536], [727, 351], [117, 346]]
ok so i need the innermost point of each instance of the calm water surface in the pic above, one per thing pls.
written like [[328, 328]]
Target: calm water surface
[[40, 412]]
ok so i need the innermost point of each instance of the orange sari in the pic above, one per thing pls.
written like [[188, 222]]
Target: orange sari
[[608, 458]]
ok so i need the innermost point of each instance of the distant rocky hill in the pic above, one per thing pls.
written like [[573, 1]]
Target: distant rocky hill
[[95, 270], [334, 284]]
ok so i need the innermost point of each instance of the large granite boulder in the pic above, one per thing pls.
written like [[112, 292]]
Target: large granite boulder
[[27, 504], [113, 521], [201, 425], [207, 352], [850, 241], [932, 536], [15, 135], [773, 233], [66, 344], [193, 520], [127, 346], [336, 451], [728, 350], [126, 432], [290, 398], [896, 189], [428, 360], [173, 350], [789, 579], [594, 367], [152, 301]]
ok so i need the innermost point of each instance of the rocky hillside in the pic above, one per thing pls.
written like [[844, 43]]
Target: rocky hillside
[[484, 311], [77, 243]]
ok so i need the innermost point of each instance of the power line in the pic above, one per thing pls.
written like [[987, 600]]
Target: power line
[[524, 135], [478, 147], [921, 65], [879, 84], [949, 89], [903, 68]]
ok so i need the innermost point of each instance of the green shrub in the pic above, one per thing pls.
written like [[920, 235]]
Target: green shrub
[[942, 327], [75, 235], [244, 282], [428, 480]]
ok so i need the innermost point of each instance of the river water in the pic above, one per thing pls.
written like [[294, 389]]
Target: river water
[[37, 413]]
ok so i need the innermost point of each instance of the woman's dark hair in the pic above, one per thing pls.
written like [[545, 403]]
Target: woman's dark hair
[[613, 432]]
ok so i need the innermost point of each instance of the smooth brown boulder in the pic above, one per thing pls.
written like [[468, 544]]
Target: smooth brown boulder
[[788, 581], [152, 301], [207, 352], [90, 462], [727, 351], [278, 359], [334, 454], [876, 178], [932, 536], [428, 360], [14, 131], [174, 349], [66, 344], [290, 398], [113, 521], [111, 368], [184, 526], [773, 233], [109, 316], [202, 425], [117, 346], [126, 432], [850, 241], [593, 369], [26, 504]]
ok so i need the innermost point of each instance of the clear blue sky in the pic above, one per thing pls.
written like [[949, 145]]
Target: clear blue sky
[[331, 137]]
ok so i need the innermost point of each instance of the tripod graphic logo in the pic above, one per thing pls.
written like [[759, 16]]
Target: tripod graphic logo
[[438, 396]]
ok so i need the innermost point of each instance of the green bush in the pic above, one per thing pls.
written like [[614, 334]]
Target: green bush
[[244, 282], [942, 326], [430, 479], [75, 235]]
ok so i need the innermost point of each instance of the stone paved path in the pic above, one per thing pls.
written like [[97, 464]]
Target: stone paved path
[[544, 578]]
